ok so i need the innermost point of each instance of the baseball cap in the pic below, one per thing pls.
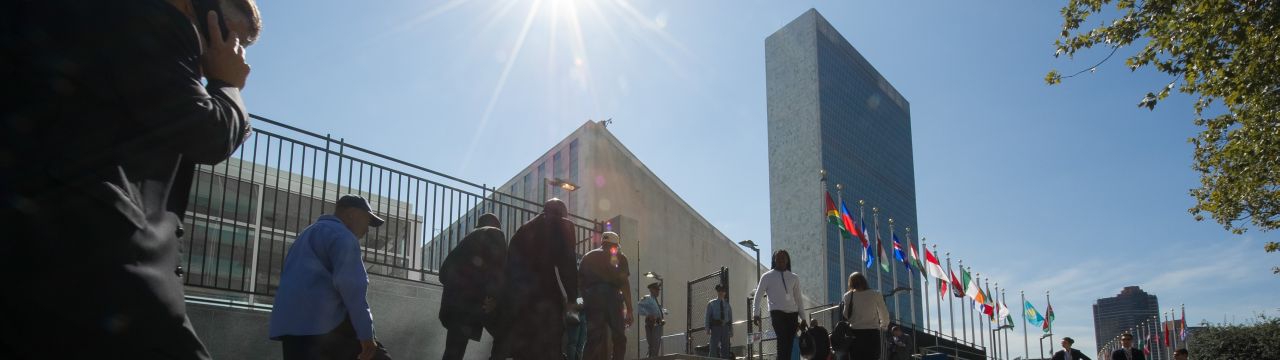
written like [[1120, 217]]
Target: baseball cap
[[610, 236], [356, 201]]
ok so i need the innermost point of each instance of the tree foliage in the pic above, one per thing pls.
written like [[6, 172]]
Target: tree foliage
[[1220, 51], [1260, 340]]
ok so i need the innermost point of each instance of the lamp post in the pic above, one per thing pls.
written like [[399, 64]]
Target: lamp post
[[1042, 344], [751, 245], [661, 300]]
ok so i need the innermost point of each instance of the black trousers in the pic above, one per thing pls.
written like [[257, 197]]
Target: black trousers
[[866, 344], [785, 325], [604, 325], [455, 344], [338, 344]]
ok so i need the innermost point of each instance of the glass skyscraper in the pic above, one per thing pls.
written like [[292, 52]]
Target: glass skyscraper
[[829, 109]]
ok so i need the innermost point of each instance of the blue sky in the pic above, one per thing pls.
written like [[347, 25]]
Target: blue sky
[[1068, 188]]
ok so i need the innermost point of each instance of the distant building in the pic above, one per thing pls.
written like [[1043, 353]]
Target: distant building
[[242, 218], [1120, 314], [829, 109], [660, 232]]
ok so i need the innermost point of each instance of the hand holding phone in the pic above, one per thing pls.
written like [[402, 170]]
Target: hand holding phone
[[223, 58]]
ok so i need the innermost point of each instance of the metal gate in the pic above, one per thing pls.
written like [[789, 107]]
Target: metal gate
[[701, 290]]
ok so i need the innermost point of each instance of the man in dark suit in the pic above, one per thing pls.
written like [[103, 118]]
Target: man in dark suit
[[1126, 350], [1067, 353], [541, 279], [104, 120], [472, 279]]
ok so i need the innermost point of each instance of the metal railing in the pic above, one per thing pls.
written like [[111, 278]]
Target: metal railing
[[244, 213]]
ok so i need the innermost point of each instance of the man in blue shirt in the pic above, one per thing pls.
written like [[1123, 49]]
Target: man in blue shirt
[[320, 310], [651, 310], [719, 323]]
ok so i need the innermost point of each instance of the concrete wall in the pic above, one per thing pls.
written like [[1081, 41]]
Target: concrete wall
[[404, 319], [661, 233]]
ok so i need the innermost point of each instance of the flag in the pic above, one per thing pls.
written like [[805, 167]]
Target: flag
[[942, 289], [915, 256], [979, 298], [884, 264], [989, 306], [1048, 318], [898, 253], [847, 223], [862, 232], [970, 285], [1166, 335], [1142, 344], [1008, 319], [955, 284], [870, 255], [866, 244], [1182, 334], [933, 267], [1029, 312], [1003, 311], [833, 216]]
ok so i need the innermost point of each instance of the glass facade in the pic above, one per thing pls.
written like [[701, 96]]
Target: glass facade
[[866, 147], [860, 134]]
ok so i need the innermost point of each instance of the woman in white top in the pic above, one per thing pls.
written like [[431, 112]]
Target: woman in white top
[[783, 289], [864, 309]]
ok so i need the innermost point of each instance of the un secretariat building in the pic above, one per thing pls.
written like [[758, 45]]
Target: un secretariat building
[[829, 109]]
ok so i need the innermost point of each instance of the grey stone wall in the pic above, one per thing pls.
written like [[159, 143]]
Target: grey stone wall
[[404, 319]]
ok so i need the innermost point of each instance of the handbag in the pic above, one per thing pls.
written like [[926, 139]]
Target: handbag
[[842, 334]]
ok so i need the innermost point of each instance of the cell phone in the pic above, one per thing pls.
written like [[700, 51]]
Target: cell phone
[[203, 7]]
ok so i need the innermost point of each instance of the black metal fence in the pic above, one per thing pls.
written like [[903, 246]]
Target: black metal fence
[[700, 291], [922, 341], [245, 212]]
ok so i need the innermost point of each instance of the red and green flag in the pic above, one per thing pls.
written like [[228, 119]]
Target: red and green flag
[[1048, 319], [848, 223], [956, 288], [915, 256], [884, 263]]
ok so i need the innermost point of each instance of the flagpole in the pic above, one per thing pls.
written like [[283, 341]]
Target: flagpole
[[911, 282], [893, 272], [840, 201], [995, 311], [924, 283], [973, 322], [875, 216], [862, 226], [964, 325], [956, 349], [1002, 304], [826, 280], [1167, 341], [1184, 328], [981, 336], [1048, 305], [950, 307], [991, 331], [1026, 346]]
